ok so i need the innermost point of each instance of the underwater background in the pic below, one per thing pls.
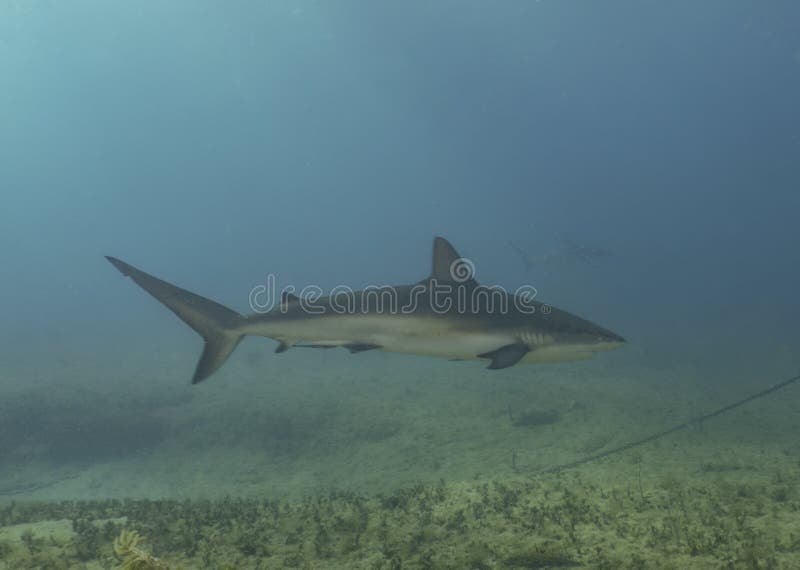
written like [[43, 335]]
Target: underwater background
[[638, 163]]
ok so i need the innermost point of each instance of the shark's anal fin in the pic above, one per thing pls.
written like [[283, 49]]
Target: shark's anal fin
[[506, 356], [353, 348]]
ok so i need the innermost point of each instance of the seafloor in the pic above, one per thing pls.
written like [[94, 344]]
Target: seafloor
[[319, 459]]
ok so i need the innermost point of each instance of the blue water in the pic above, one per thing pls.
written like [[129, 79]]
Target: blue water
[[329, 143]]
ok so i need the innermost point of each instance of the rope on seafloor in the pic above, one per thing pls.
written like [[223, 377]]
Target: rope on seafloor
[[666, 432]]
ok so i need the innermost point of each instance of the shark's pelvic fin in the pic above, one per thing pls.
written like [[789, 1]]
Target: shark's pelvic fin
[[216, 324], [506, 356]]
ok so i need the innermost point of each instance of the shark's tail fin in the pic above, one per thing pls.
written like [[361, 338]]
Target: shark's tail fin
[[217, 325]]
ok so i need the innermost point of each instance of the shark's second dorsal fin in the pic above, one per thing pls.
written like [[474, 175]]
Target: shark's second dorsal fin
[[449, 267]]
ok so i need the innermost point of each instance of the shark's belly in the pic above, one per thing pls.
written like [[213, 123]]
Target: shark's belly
[[431, 336], [556, 353], [461, 346]]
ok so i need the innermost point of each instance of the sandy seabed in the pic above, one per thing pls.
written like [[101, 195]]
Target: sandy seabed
[[326, 460]]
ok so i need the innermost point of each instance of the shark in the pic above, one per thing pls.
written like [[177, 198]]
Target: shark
[[569, 251], [448, 314]]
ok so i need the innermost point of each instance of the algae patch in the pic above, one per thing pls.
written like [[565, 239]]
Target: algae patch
[[557, 521]]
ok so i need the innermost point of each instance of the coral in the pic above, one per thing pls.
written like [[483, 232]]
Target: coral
[[126, 545], [578, 520], [542, 556]]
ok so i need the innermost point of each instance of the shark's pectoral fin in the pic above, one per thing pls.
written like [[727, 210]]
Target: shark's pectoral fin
[[353, 348], [506, 356], [283, 346]]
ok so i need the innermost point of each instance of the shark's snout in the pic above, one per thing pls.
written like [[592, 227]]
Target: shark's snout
[[599, 338], [611, 337], [608, 340]]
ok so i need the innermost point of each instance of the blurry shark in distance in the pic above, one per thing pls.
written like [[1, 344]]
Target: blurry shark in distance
[[447, 314], [568, 251]]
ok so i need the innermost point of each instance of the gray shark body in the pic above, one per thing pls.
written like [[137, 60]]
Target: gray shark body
[[446, 315]]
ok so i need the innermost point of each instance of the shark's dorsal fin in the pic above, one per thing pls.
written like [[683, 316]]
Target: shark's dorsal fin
[[449, 267]]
